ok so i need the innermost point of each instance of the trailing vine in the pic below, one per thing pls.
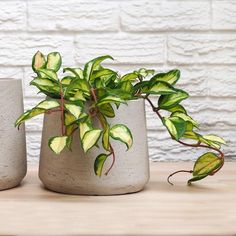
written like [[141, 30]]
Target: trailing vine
[[95, 92]]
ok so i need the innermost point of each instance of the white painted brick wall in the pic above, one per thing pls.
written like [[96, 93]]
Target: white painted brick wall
[[198, 37]]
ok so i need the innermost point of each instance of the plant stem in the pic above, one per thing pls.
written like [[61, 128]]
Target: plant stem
[[176, 172], [62, 111], [221, 154], [113, 160]]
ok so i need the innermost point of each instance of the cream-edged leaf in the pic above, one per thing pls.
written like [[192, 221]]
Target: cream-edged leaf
[[74, 110], [54, 61], [58, 143], [122, 133], [99, 163], [48, 104], [90, 139]]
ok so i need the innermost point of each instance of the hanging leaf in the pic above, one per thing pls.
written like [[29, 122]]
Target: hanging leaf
[[122, 133], [91, 65], [214, 138], [185, 117], [90, 139], [75, 71], [168, 101], [99, 163], [107, 110], [84, 127], [58, 143], [206, 164], [41, 108], [54, 61], [74, 110], [69, 119], [49, 74], [126, 86], [177, 108], [176, 126], [48, 104], [161, 88], [38, 61], [105, 139], [170, 77]]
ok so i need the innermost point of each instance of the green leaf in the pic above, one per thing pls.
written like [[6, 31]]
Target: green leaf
[[103, 73], [42, 82], [38, 61], [107, 110], [176, 126], [105, 139], [206, 164], [191, 135], [90, 139], [122, 133], [74, 110], [83, 128], [48, 73], [177, 108], [69, 119], [145, 72], [214, 138], [170, 77], [47, 87], [79, 96], [196, 178], [99, 163], [130, 76], [67, 80], [58, 143], [28, 115], [126, 86], [108, 99], [48, 104], [161, 88], [91, 65], [54, 61], [75, 71], [185, 117], [168, 101], [78, 84]]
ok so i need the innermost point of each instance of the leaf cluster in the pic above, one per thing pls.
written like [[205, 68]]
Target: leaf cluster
[[85, 96]]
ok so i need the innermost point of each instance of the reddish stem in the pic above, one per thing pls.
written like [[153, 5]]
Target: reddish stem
[[221, 154], [93, 92], [176, 172]]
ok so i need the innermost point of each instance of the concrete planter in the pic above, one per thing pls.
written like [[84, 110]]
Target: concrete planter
[[12, 141], [72, 172]]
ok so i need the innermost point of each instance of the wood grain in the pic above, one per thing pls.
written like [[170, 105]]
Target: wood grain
[[206, 208]]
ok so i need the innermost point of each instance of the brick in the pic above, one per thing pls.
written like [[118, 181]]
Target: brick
[[222, 82], [202, 49], [224, 15], [19, 49], [165, 15], [132, 49], [73, 15], [12, 15]]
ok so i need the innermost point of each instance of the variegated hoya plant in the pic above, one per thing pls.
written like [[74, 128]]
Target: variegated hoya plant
[[95, 92]]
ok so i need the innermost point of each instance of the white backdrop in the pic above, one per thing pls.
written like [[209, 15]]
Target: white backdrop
[[196, 36]]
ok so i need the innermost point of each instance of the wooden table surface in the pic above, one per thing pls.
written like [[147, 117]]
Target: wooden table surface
[[206, 208]]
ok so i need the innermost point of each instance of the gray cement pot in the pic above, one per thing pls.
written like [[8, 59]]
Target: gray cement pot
[[72, 172], [12, 141]]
